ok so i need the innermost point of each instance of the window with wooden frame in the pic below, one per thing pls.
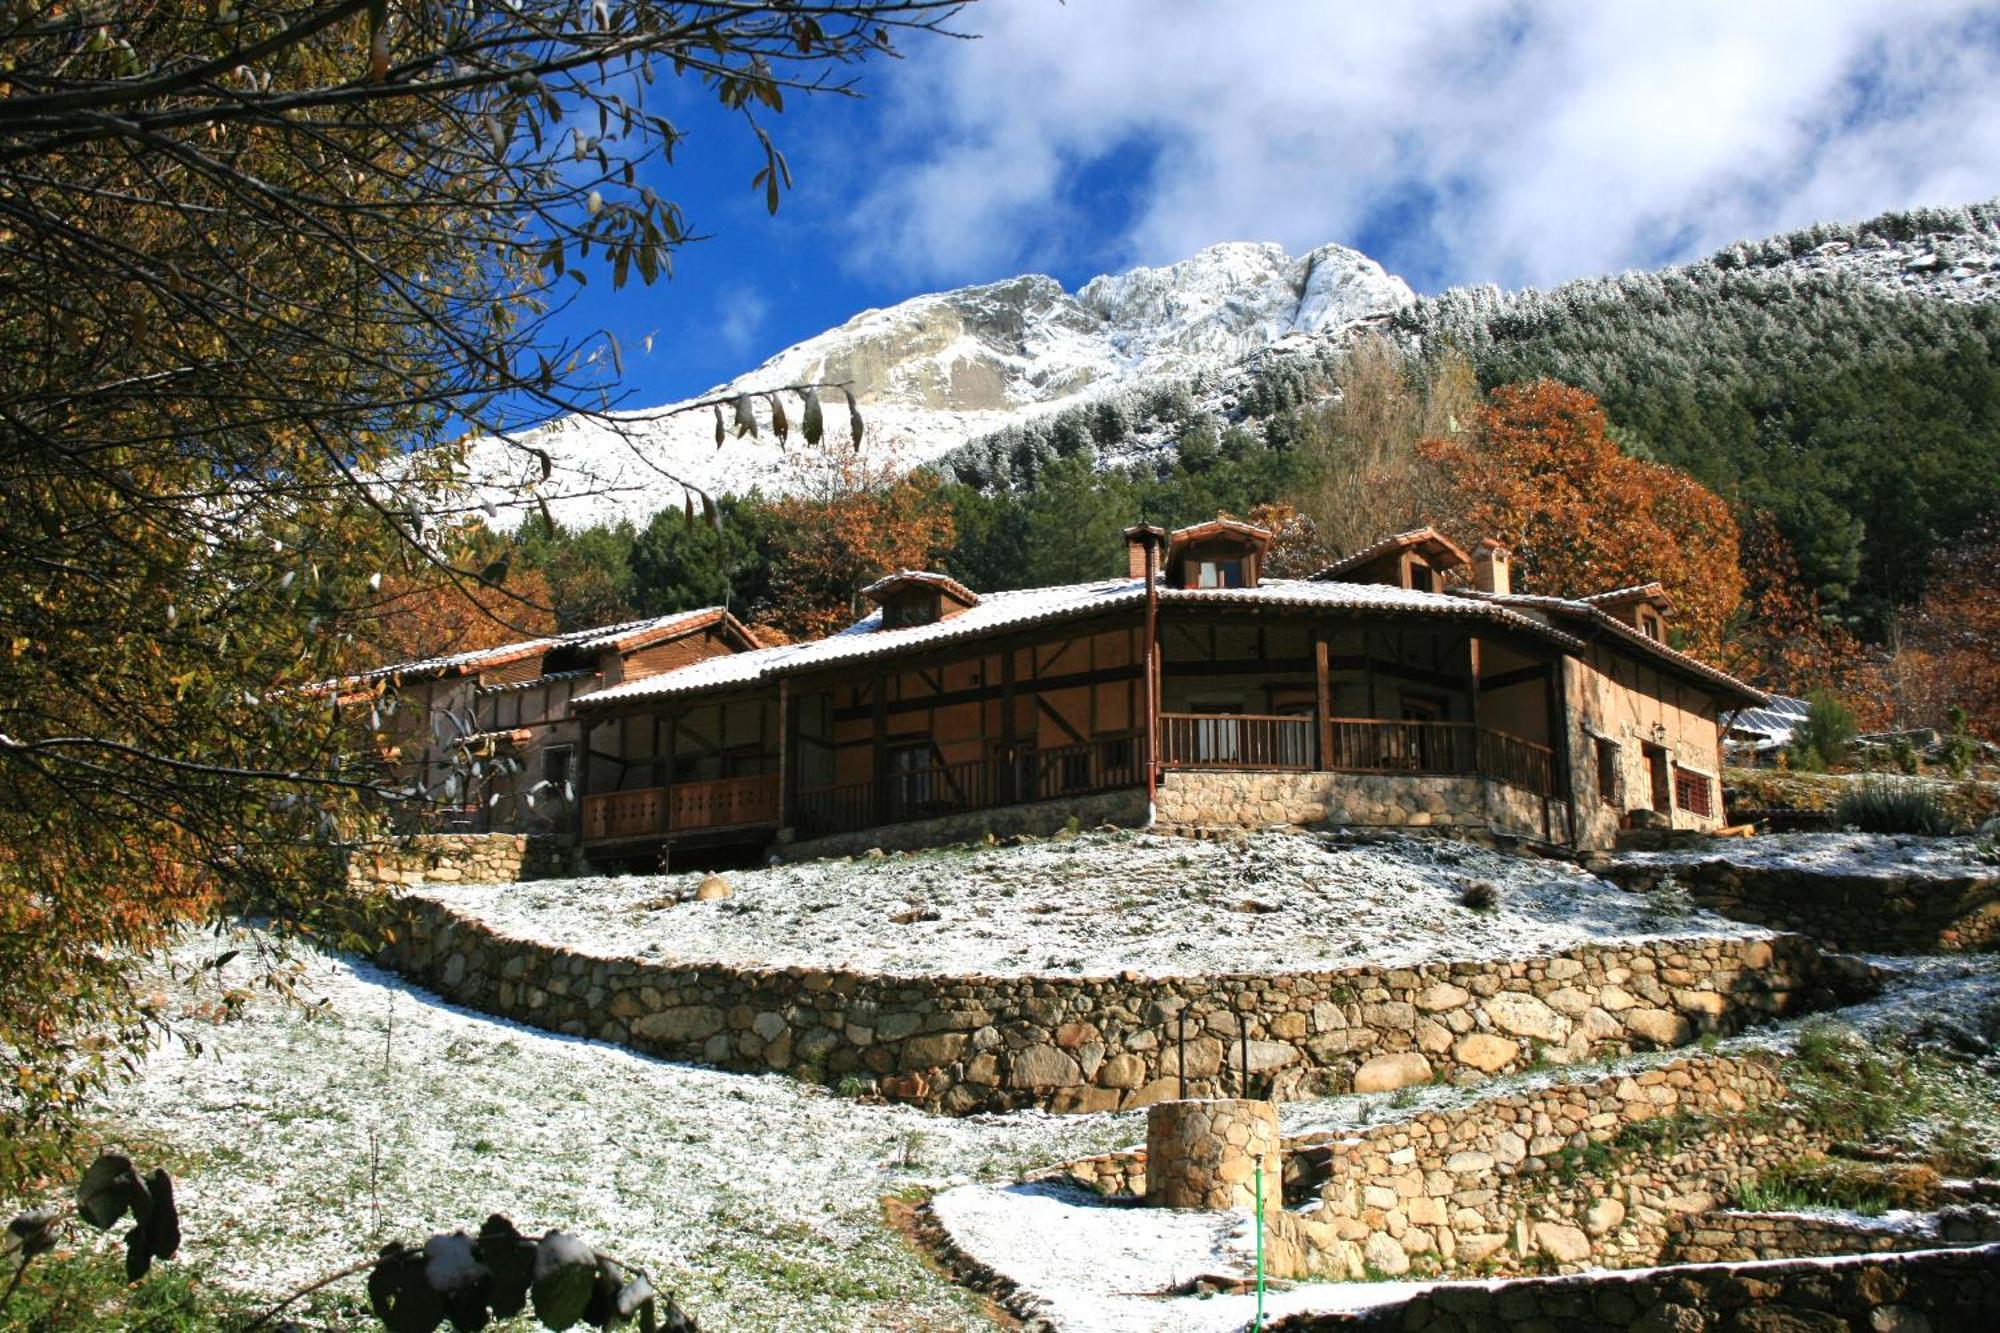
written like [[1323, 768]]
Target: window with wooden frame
[[1222, 572], [1694, 792], [1607, 771]]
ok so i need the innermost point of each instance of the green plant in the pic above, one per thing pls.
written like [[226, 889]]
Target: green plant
[[1824, 738], [1876, 805]]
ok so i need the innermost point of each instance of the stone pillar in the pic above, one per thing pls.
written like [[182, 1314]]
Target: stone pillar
[[1207, 1154]]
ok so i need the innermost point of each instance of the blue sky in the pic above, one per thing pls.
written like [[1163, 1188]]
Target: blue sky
[[1520, 142]]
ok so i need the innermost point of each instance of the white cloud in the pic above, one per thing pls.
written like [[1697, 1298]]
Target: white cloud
[[739, 320], [1485, 139]]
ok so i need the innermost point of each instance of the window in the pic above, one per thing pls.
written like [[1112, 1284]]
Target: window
[[1693, 792], [917, 609], [1607, 771], [1421, 577], [555, 771], [1651, 624], [1215, 573]]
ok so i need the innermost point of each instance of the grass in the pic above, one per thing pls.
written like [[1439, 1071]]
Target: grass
[[1877, 806], [1937, 1109], [1857, 1187], [86, 1292]]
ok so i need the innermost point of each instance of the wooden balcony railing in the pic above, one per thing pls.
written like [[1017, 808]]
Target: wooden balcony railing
[[1359, 745], [1236, 740], [685, 807], [1105, 764]]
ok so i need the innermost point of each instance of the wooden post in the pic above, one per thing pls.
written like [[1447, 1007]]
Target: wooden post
[[1472, 683], [1325, 699], [788, 736], [580, 778], [1152, 656], [879, 751]]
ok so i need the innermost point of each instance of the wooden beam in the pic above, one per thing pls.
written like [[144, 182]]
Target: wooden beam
[[1323, 697], [879, 757]]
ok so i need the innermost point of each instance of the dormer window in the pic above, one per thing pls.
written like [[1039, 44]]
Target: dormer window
[[1226, 572], [912, 608], [1419, 560], [1642, 606], [913, 597], [1223, 553], [1650, 622], [1421, 577]]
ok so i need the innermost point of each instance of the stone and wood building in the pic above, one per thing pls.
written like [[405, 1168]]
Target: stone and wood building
[[1407, 685], [487, 738]]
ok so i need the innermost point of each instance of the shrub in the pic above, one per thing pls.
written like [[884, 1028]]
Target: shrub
[[1875, 806], [1823, 739], [1480, 896]]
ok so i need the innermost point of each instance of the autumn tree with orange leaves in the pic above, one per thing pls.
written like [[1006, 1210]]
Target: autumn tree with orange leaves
[[499, 604], [1542, 475], [857, 518], [1948, 651]]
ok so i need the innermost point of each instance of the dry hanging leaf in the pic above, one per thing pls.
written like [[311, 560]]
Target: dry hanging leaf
[[746, 417], [720, 433], [853, 418], [814, 423], [780, 427]]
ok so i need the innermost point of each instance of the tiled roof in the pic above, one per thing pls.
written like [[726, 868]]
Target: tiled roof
[[865, 640], [1580, 609], [944, 583], [1637, 592], [1400, 542], [623, 637]]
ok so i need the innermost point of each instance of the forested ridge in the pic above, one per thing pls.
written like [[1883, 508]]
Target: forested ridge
[[1837, 387]]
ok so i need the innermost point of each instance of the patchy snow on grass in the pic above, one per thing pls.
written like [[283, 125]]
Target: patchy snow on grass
[[1096, 904], [1874, 855], [305, 1139]]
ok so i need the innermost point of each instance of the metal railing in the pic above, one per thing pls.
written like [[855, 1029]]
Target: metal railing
[[1356, 745]]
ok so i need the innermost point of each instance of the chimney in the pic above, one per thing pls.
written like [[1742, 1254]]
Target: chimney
[[1490, 568], [1137, 538]]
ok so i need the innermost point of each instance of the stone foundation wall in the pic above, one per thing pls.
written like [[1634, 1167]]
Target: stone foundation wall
[[1873, 914], [456, 858], [1931, 1291], [962, 1044], [1201, 798], [1214, 1155], [1730, 1236], [1127, 809], [1566, 1176]]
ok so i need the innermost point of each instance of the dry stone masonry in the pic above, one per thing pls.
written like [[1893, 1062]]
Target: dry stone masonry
[[454, 858], [1202, 799], [1876, 913], [1214, 1155], [1093, 1043], [1930, 1291]]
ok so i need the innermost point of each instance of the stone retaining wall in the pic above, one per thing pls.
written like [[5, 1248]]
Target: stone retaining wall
[[1866, 913], [1215, 1155], [455, 858], [1126, 809], [1565, 1176], [1201, 798], [1735, 1236], [962, 1044], [1931, 1291]]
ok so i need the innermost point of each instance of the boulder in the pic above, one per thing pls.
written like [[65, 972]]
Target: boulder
[[713, 887], [1386, 1073], [1486, 1052]]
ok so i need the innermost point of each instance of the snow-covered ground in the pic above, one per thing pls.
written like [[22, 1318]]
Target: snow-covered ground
[[1885, 856], [303, 1139], [1096, 904]]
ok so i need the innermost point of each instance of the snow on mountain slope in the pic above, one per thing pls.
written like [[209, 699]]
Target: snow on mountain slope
[[938, 370]]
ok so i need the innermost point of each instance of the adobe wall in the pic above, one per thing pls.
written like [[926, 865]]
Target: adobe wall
[[1927, 1291], [963, 1044], [1201, 798], [1126, 809], [1868, 913], [455, 858]]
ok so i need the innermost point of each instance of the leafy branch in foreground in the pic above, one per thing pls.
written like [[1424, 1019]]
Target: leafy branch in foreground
[[462, 1279]]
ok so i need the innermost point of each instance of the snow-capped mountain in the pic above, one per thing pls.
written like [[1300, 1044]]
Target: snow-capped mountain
[[938, 370], [941, 370]]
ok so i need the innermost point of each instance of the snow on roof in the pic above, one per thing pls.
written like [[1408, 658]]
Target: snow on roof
[[944, 583], [865, 638], [1217, 527], [1401, 541], [1772, 724], [1581, 609], [624, 636]]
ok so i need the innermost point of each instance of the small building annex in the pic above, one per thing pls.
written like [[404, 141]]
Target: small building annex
[[1407, 685], [487, 737]]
